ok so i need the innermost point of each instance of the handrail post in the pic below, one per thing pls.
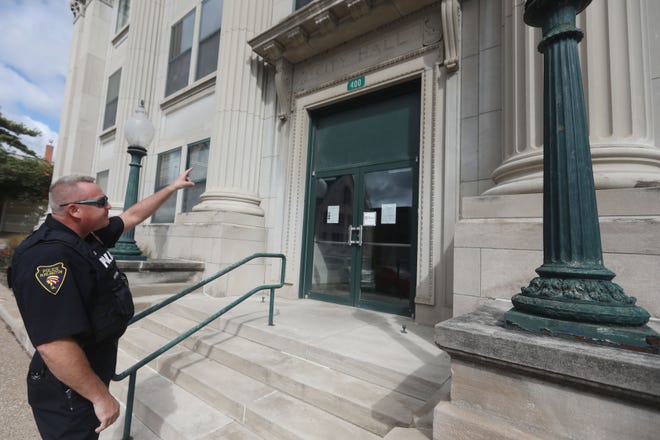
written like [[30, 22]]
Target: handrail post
[[270, 307], [129, 406]]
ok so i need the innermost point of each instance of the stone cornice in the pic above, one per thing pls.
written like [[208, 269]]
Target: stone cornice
[[325, 24]]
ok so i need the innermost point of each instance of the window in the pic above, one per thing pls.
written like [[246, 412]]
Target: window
[[209, 37], [205, 46], [122, 14], [301, 3], [181, 42], [102, 180], [166, 171], [198, 158], [111, 100]]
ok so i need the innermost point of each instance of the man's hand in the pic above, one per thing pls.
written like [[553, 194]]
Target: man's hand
[[106, 410], [67, 361], [183, 180], [139, 212]]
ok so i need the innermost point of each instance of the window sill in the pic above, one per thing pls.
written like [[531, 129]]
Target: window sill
[[108, 134], [120, 36], [202, 87]]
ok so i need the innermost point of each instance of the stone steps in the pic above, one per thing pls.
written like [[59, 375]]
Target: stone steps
[[370, 406], [261, 409], [322, 372]]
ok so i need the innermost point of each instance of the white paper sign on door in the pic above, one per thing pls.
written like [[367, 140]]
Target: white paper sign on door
[[388, 216], [369, 219], [333, 214]]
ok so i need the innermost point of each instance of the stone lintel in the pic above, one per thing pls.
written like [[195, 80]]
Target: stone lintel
[[481, 338]]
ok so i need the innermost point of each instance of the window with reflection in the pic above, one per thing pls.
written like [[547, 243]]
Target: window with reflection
[[181, 41], [209, 37], [198, 159], [111, 100], [123, 8], [167, 170], [301, 3]]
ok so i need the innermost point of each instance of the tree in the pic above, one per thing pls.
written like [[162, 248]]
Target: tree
[[10, 132], [22, 177]]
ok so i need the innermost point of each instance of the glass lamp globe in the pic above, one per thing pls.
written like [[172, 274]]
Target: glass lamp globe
[[138, 129]]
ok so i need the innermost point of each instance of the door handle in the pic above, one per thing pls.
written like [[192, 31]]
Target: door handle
[[351, 230]]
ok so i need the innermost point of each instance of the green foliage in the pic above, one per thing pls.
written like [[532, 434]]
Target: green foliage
[[9, 135], [24, 178]]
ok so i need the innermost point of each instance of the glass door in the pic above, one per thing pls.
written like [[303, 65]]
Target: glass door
[[387, 236], [362, 251]]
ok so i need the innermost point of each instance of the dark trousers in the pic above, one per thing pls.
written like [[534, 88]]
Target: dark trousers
[[60, 413]]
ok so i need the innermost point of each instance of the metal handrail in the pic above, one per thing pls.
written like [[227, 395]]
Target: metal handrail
[[131, 372]]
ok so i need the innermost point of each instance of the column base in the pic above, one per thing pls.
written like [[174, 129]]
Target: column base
[[229, 202]]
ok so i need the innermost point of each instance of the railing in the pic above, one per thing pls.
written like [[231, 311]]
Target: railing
[[131, 372]]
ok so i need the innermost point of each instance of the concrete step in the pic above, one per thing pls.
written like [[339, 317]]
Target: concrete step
[[158, 289], [261, 409], [167, 410], [367, 345], [369, 406]]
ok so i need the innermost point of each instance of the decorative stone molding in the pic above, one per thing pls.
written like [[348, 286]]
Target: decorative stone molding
[[78, 7], [326, 22], [297, 37], [450, 32], [283, 83], [358, 8], [273, 50]]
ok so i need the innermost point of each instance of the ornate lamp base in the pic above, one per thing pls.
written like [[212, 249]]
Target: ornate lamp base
[[127, 250], [641, 338]]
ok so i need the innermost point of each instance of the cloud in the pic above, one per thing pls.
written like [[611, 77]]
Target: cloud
[[34, 54]]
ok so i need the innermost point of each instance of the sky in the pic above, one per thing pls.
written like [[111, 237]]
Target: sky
[[35, 38]]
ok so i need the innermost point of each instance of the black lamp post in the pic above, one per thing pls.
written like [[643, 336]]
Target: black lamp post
[[139, 132]]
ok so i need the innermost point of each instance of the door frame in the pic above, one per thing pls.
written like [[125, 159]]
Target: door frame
[[354, 297]]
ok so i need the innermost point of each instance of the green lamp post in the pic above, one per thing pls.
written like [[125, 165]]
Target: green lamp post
[[574, 295], [139, 132]]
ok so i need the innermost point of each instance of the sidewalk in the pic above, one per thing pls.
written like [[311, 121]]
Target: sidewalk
[[15, 414]]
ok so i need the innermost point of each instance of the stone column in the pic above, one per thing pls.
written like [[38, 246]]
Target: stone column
[[616, 75], [234, 158], [83, 98], [138, 78]]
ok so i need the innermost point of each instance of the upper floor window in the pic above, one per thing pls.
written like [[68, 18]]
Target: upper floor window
[[181, 41], [209, 37], [301, 3], [189, 43], [122, 14], [111, 100]]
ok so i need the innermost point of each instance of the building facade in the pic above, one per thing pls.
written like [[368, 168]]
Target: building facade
[[391, 149]]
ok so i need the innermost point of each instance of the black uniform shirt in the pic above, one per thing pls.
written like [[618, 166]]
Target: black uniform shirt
[[55, 286]]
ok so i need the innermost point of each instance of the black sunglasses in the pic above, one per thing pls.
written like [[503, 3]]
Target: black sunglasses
[[100, 202]]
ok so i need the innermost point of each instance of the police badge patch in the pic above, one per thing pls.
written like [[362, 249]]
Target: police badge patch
[[51, 277]]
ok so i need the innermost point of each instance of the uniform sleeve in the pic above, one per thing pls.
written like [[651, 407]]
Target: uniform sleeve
[[111, 233], [53, 290]]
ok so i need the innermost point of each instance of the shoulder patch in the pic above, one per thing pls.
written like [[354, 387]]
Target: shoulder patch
[[51, 277]]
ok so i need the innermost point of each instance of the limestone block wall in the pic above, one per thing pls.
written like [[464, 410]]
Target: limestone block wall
[[498, 245]]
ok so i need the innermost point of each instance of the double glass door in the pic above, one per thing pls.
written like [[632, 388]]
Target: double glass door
[[362, 246]]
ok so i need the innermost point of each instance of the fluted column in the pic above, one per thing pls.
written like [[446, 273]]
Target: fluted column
[[234, 158], [615, 61], [138, 76]]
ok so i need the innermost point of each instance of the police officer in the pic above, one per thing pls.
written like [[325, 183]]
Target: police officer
[[75, 304]]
